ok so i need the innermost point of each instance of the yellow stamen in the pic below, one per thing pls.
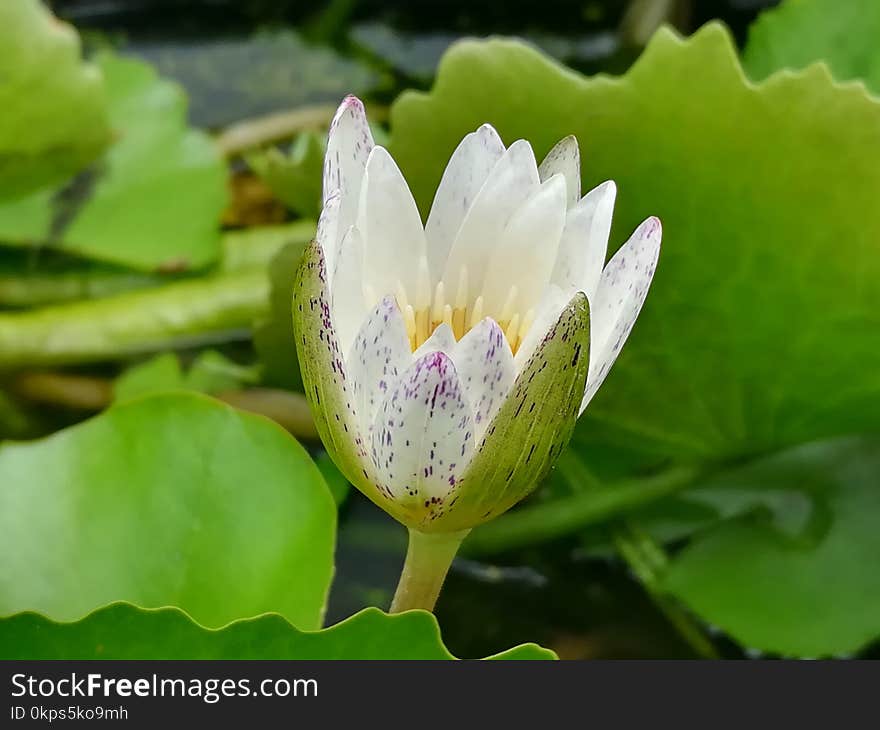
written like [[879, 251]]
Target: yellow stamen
[[429, 313], [511, 331], [409, 317]]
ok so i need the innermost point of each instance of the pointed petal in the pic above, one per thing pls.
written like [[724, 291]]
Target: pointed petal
[[324, 375], [527, 251], [619, 299], [348, 147], [328, 234], [484, 364], [513, 179], [564, 158], [350, 307], [422, 437], [532, 427], [584, 242], [442, 340], [465, 174], [394, 241], [379, 355]]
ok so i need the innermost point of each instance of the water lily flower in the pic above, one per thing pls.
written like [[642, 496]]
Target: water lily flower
[[446, 363]]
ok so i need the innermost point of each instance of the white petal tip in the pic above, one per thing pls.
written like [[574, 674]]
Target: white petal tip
[[651, 229], [351, 102]]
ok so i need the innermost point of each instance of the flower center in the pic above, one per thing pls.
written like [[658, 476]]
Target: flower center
[[459, 310]]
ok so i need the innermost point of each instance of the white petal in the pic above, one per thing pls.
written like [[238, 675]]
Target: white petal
[[553, 301], [349, 306], [348, 146], [379, 355], [619, 298], [513, 179], [465, 174], [564, 158], [422, 437], [527, 251], [442, 340], [328, 233], [394, 240], [484, 364], [584, 241]]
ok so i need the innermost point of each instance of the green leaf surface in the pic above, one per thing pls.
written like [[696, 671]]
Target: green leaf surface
[[210, 372], [760, 327], [257, 246], [168, 500], [152, 202], [800, 32], [295, 177], [530, 429], [273, 335], [29, 278], [805, 589], [123, 631], [180, 314], [54, 118], [336, 481]]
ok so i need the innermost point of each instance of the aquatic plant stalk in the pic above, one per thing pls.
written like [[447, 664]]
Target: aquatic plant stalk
[[428, 558]]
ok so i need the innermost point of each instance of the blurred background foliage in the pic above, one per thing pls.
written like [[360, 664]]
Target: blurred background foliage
[[721, 496]]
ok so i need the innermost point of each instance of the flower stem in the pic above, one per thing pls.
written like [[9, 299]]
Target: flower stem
[[428, 558]]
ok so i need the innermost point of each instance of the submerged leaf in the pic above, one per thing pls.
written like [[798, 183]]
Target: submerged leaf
[[813, 590]]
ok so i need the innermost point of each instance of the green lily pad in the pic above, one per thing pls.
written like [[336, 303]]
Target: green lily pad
[[210, 372], [55, 113], [152, 202], [769, 587], [123, 631], [167, 500], [273, 334], [795, 34], [760, 329]]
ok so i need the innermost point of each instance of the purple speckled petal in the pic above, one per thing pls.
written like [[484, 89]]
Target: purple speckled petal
[[564, 158], [348, 147], [324, 374], [442, 340], [423, 435], [465, 174], [619, 298], [379, 355], [584, 242], [388, 219], [485, 367]]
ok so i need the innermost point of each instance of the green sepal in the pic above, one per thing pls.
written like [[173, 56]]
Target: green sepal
[[322, 365], [530, 430]]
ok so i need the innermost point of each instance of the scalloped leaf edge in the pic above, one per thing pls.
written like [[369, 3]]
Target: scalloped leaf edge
[[242, 632]]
